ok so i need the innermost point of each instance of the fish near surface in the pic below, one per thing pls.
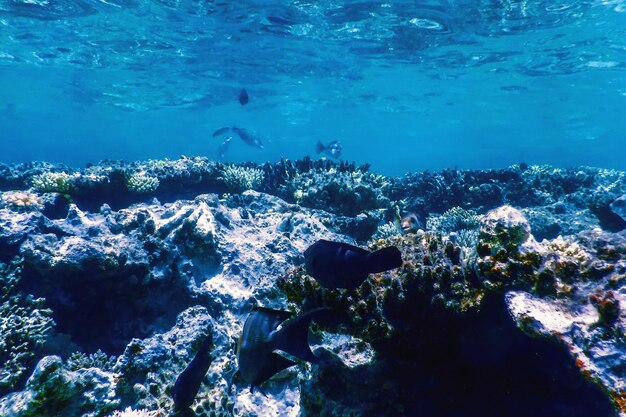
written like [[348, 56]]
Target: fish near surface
[[261, 337], [188, 382], [340, 265], [243, 97]]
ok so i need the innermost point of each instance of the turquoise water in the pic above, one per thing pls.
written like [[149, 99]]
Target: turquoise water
[[402, 85]]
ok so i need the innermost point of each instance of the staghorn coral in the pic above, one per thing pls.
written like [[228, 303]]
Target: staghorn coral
[[24, 326], [238, 178]]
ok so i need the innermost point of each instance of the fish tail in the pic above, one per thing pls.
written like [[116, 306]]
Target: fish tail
[[293, 337], [319, 148], [384, 260]]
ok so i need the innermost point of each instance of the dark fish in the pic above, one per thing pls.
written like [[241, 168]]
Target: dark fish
[[277, 20], [243, 97], [188, 382], [260, 338], [340, 265], [221, 131], [248, 137], [333, 149], [221, 150]]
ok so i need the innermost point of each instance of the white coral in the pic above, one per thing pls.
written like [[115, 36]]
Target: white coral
[[129, 412], [242, 178], [21, 201], [141, 183]]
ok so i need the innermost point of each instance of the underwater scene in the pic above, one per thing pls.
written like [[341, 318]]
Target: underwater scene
[[312, 208]]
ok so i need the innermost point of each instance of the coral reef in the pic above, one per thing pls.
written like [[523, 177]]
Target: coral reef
[[238, 179], [437, 293], [52, 390], [112, 275]]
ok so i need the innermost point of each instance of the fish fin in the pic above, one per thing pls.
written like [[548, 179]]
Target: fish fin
[[277, 316], [221, 131], [319, 148], [273, 365], [293, 337], [384, 259]]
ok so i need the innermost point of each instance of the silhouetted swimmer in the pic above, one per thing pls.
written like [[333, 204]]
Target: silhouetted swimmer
[[340, 265], [333, 149], [243, 97], [261, 337], [188, 382]]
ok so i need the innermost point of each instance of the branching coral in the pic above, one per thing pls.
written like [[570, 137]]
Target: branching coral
[[386, 231], [99, 359], [142, 183], [52, 182], [238, 179]]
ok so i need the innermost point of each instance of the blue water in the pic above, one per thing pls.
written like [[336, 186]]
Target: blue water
[[403, 85]]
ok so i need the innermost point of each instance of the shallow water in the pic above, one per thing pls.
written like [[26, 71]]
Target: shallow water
[[402, 85]]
